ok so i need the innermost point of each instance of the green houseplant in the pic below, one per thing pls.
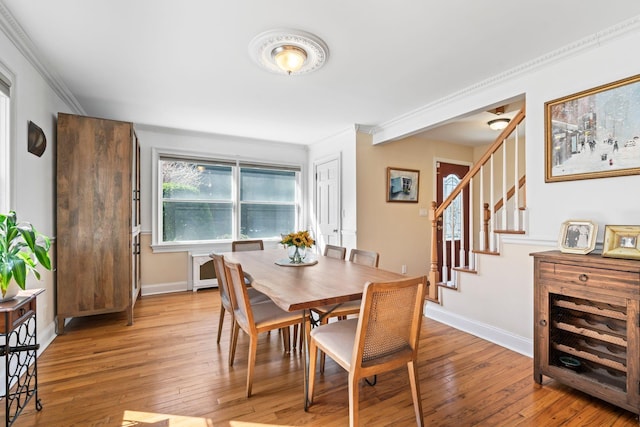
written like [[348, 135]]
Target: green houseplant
[[21, 249]]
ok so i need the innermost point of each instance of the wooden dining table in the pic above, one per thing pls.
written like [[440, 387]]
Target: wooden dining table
[[319, 282]]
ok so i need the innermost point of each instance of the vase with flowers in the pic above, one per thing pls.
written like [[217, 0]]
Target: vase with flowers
[[297, 244], [22, 248]]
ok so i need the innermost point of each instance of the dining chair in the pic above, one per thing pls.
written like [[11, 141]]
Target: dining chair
[[332, 251], [357, 256], [361, 256], [247, 245], [384, 337], [254, 319], [255, 297]]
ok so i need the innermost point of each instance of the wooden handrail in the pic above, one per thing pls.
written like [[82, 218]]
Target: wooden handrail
[[487, 155], [436, 211], [510, 193]]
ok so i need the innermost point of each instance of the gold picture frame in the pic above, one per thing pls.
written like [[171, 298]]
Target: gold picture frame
[[594, 133], [577, 236], [621, 241], [402, 185]]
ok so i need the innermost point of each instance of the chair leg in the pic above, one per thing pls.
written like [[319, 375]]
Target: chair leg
[[295, 337], [253, 347], [323, 321], [220, 323], [286, 341], [313, 355], [234, 342], [414, 380], [353, 400]]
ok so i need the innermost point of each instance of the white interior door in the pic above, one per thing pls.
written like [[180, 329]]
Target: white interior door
[[327, 207]]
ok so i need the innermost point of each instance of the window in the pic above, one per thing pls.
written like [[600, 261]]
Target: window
[[453, 214], [208, 200], [4, 143]]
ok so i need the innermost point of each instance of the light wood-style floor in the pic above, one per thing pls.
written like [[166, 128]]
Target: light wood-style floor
[[167, 370]]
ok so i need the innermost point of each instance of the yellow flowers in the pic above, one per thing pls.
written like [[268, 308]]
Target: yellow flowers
[[300, 239]]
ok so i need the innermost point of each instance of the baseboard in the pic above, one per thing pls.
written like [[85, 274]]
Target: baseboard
[[487, 332], [164, 288]]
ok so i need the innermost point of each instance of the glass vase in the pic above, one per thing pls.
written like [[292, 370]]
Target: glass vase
[[297, 254]]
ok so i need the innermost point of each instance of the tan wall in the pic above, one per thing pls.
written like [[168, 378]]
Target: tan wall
[[163, 268], [396, 230]]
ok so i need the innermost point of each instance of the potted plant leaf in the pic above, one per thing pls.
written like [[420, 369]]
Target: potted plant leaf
[[22, 248]]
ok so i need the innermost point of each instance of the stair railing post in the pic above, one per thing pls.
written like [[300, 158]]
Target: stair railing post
[[434, 277], [485, 224]]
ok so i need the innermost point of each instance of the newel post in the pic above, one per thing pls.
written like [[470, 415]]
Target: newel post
[[434, 276]]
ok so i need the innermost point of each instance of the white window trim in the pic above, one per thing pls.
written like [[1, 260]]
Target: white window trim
[[208, 246], [6, 152]]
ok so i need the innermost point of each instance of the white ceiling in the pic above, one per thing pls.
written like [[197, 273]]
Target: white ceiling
[[186, 65]]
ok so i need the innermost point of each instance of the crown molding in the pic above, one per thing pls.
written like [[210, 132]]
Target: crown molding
[[368, 129], [385, 133], [23, 43]]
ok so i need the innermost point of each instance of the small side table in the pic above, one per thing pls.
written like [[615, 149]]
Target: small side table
[[18, 348]]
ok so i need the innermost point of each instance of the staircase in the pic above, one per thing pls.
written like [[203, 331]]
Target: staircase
[[496, 188]]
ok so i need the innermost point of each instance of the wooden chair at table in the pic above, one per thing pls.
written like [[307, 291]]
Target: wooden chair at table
[[357, 256], [258, 245], [255, 297], [382, 338], [254, 319], [333, 251], [247, 245]]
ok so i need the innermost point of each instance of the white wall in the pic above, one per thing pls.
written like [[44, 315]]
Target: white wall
[[342, 145], [497, 303], [33, 178]]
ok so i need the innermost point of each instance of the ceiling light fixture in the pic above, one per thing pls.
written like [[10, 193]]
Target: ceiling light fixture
[[498, 124], [290, 52]]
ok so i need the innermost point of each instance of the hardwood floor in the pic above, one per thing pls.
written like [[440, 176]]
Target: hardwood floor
[[167, 370]]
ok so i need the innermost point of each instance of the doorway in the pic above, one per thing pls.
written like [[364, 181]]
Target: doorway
[[453, 225], [327, 202]]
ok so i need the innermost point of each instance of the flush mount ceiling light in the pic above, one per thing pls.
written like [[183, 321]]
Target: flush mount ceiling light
[[289, 52], [498, 124]]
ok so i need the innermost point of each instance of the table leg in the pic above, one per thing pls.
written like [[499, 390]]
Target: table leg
[[305, 356]]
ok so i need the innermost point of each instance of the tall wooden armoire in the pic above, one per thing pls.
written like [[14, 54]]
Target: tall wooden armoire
[[98, 217]]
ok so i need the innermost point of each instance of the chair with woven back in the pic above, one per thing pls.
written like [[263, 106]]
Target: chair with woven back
[[384, 337], [255, 297], [357, 256], [254, 319]]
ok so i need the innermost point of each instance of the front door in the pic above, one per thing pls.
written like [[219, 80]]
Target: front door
[[453, 226]]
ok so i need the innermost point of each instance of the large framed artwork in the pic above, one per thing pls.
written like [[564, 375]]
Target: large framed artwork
[[402, 185], [594, 133]]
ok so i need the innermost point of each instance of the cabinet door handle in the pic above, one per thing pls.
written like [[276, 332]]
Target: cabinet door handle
[[543, 322], [583, 277]]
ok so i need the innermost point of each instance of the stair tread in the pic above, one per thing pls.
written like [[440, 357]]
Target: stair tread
[[465, 269], [510, 231], [477, 251], [448, 285]]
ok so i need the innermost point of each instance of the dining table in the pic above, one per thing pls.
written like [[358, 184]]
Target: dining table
[[318, 281]]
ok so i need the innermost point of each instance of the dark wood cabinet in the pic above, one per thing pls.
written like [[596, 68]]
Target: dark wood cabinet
[[98, 215], [587, 325]]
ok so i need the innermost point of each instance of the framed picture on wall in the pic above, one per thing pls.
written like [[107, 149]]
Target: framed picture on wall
[[402, 185], [577, 236], [594, 133]]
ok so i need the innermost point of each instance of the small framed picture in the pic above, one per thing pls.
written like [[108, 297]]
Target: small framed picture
[[402, 185], [621, 241], [578, 236]]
